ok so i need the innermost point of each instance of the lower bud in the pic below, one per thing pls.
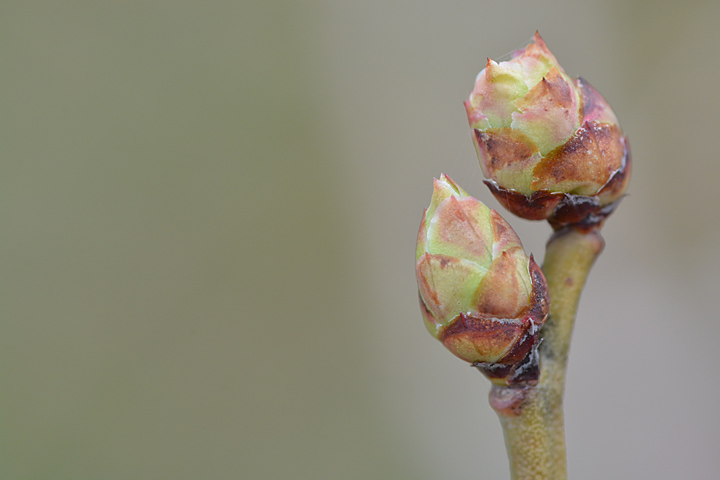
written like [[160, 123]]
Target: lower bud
[[480, 294]]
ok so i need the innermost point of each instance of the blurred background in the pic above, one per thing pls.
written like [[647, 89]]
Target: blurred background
[[209, 216]]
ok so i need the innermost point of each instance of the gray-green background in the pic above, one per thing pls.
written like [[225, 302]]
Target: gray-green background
[[209, 213]]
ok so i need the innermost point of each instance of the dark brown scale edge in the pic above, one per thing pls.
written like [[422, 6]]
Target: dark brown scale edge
[[580, 212], [521, 365]]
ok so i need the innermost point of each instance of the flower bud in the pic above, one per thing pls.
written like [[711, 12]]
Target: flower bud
[[480, 295], [549, 146]]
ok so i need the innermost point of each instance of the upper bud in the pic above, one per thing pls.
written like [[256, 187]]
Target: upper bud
[[550, 146], [481, 296]]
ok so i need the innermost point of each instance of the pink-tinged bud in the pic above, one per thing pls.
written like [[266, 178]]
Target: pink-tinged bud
[[550, 146], [480, 294]]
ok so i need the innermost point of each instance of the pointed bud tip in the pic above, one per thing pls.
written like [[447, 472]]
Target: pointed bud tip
[[540, 42], [445, 180]]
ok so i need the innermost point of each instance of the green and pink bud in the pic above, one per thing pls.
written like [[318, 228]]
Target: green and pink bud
[[550, 146], [480, 294]]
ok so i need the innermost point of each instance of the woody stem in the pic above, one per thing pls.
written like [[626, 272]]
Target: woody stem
[[532, 415]]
